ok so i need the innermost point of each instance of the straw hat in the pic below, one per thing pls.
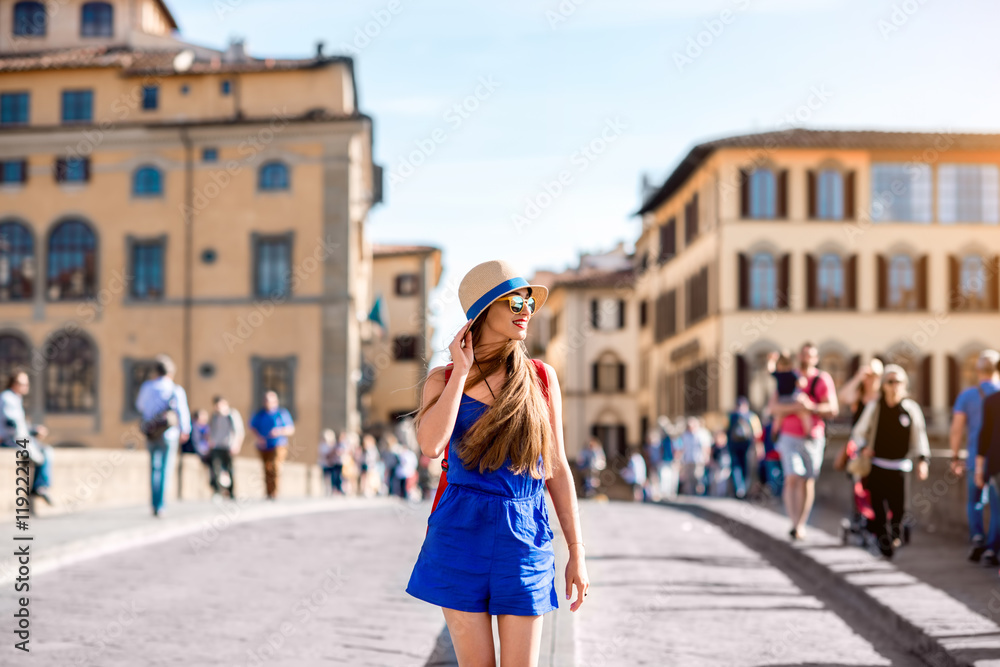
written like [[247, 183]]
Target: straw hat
[[487, 282]]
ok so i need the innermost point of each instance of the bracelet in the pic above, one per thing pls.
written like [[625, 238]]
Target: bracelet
[[572, 543]]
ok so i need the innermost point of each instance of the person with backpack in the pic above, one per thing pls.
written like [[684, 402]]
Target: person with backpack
[[967, 420], [801, 448], [488, 549], [743, 432], [166, 423], [225, 437]]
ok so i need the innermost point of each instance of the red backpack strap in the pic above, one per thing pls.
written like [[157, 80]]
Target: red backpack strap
[[444, 462]]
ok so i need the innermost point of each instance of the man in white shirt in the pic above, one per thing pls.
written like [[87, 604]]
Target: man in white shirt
[[155, 396], [696, 442], [14, 427]]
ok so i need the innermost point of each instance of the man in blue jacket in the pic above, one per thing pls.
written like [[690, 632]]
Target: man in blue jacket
[[272, 425]]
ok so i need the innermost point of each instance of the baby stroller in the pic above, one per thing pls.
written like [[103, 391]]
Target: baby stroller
[[854, 527]]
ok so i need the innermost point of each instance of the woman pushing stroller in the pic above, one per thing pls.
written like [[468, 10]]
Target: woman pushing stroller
[[891, 430]]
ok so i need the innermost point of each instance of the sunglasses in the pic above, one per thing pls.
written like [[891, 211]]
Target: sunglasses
[[517, 303], [893, 381]]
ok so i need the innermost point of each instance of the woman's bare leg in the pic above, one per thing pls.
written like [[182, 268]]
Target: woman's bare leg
[[520, 640], [472, 636]]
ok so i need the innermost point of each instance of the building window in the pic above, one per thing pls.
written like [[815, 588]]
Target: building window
[[763, 282], [668, 241], [901, 192], [77, 106], [185, 89], [73, 170], [607, 314], [209, 155], [608, 374], [70, 374], [150, 97], [29, 19], [147, 269], [72, 262], [14, 108], [407, 284], [691, 220], [17, 262], [13, 172], [830, 195], [643, 314], [902, 283], [968, 193], [697, 296], [273, 266], [697, 385], [273, 176], [830, 292], [974, 283], [147, 182], [97, 20], [136, 372], [277, 375], [226, 87], [406, 348], [666, 315], [763, 194]]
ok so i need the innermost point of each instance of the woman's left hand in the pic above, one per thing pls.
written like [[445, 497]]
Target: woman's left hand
[[576, 574], [923, 470]]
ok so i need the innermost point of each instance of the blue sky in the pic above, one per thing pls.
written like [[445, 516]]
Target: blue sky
[[563, 73]]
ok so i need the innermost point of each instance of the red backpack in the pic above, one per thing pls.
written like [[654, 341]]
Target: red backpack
[[540, 368]]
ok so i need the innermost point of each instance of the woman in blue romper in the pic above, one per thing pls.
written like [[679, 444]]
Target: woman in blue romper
[[488, 549]]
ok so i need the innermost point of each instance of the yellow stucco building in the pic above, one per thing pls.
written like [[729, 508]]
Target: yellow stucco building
[[403, 277], [865, 243], [157, 196]]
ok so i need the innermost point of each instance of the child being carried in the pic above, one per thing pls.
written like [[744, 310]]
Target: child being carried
[[791, 385]]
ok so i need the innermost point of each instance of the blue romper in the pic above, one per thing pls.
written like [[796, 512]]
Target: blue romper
[[489, 545]]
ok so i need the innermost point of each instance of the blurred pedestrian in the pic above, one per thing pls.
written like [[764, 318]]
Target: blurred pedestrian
[[199, 435], [226, 431], [668, 463], [591, 462], [653, 453], [967, 420], [695, 446], [742, 433], [332, 451], [166, 422], [406, 470], [863, 388], [369, 460], [890, 430], [634, 473], [801, 441], [271, 425], [14, 427], [988, 457], [720, 466], [390, 458]]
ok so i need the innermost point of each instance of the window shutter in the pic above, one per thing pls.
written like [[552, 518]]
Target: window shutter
[[593, 377], [851, 282], [811, 281], [781, 206], [955, 299], [744, 193], [744, 280], [992, 274], [593, 313], [742, 383], [811, 193], [783, 264], [953, 379], [621, 313], [621, 377], [642, 313], [922, 283], [849, 212], [86, 169], [60, 170], [925, 381], [24, 171], [883, 282]]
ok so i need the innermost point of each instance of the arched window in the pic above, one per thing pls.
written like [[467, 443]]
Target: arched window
[[608, 374], [147, 182], [763, 194], [97, 20], [72, 265], [902, 283], [15, 355], [763, 282], [17, 262], [830, 282], [973, 281], [273, 176], [70, 374], [29, 19], [830, 195]]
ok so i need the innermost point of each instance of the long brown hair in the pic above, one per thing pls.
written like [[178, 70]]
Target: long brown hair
[[516, 425]]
